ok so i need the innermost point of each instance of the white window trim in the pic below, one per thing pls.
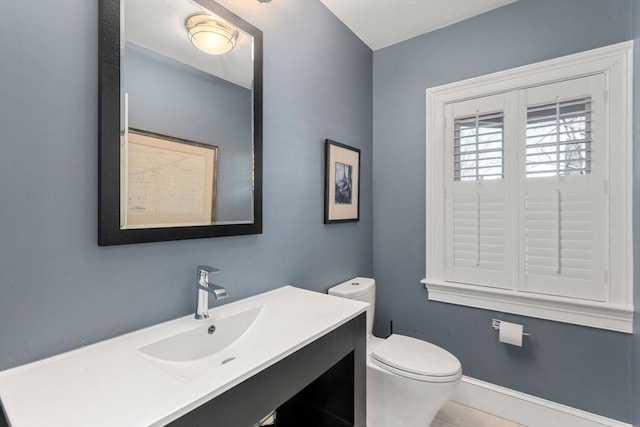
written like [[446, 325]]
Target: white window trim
[[616, 313]]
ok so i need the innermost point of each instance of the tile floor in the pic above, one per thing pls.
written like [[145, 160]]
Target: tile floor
[[454, 414]]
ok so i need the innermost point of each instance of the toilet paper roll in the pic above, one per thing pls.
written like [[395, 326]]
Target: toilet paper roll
[[511, 333]]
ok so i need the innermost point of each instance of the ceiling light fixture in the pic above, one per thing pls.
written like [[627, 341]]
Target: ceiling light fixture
[[210, 35]]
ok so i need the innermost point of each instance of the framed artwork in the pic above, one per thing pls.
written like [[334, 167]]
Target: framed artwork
[[342, 183], [167, 181]]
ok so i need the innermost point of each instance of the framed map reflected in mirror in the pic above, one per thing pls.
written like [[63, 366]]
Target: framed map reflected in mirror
[[167, 181]]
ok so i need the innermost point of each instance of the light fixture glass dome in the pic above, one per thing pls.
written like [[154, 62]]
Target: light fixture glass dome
[[210, 35]]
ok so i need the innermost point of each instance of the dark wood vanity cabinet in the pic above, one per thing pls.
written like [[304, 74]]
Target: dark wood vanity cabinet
[[321, 385]]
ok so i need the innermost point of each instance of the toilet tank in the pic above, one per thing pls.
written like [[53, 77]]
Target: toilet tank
[[361, 289]]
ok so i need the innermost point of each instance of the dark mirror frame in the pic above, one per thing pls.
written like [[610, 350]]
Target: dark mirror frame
[[109, 231]]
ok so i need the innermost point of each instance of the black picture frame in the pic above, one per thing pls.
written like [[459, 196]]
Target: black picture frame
[[342, 183], [109, 229]]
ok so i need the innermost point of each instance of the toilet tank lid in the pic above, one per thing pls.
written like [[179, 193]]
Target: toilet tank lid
[[353, 288], [416, 357]]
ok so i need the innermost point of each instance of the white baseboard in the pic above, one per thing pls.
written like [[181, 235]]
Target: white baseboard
[[525, 409]]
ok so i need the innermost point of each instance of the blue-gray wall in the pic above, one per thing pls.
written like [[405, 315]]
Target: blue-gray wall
[[174, 99], [582, 367], [635, 395], [58, 289]]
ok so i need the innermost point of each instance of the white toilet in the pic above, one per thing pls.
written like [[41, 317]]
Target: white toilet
[[408, 380]]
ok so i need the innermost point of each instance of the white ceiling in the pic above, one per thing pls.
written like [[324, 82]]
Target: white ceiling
[[381, 23]]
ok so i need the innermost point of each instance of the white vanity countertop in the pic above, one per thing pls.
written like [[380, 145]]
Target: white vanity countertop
[[112, 384]]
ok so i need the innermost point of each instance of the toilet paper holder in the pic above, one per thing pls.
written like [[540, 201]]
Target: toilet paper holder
[[495, 324]]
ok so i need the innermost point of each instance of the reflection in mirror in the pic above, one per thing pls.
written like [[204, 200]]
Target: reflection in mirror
[[188, 151], [167, 181], [172, 87]]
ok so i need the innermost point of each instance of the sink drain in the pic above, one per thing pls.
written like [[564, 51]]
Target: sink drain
[[228, 360]]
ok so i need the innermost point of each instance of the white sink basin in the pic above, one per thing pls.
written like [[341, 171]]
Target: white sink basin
[[189, 354], [199, 342]]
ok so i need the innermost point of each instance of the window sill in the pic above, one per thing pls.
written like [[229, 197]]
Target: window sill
[[614, 317]]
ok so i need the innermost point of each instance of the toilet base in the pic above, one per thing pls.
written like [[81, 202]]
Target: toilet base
[[395, 401]]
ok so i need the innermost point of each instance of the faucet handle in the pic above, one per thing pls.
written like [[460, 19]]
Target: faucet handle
[[207, 269]]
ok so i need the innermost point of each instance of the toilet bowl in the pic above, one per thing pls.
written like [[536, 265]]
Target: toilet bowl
[[408, 380]]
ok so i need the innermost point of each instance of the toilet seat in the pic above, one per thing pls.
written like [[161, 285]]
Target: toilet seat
[[416, 359]]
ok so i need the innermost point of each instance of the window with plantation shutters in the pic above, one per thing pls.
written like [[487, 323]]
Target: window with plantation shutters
[[543, 169], [529, 190]]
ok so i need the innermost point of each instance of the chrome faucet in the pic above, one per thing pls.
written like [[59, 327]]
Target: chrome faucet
[[206, 287]]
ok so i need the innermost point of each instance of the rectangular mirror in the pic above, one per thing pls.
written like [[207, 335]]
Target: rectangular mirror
[[180, 122]]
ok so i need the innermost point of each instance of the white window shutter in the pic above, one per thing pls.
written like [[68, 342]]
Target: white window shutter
[[563, 196], [477, 231]]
